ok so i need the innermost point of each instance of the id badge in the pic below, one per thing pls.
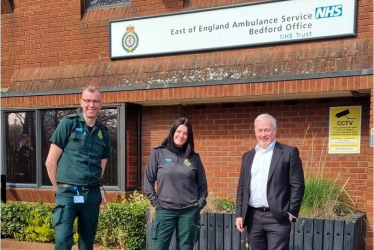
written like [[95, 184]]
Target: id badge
[[78, 199]]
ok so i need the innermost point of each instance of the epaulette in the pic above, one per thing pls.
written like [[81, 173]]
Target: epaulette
[[102, 125], [72, 116], [162, 146]]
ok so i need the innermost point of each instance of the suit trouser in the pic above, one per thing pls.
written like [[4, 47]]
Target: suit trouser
[[65, 213], [265, 232], [186, 222]]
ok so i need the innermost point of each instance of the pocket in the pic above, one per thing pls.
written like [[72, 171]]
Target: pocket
[[76, 141], [58, 213], [77, 136], [99, 146], [196, 233], [100, 142], [154, 230]]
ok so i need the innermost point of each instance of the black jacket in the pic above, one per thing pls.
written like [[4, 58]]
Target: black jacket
[[285, 186]]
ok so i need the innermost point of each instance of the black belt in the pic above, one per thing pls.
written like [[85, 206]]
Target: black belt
[[262, 209], [85, 188]]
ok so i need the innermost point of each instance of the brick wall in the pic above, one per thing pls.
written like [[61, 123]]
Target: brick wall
[[54, 44], [132, 149], [47, 34], [223, 132], [54, 33]]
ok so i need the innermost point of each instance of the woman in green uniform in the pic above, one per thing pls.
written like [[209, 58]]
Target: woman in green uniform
[[181, 188]]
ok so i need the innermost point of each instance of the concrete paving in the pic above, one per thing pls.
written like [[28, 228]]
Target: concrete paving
[[10, 244]]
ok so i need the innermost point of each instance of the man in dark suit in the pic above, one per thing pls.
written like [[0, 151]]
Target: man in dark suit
[[270, 189]]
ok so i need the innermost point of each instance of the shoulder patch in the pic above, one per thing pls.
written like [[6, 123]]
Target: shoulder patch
[[102, 125], [72, 116]]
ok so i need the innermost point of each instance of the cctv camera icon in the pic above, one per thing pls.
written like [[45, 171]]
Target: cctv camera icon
[[344, 113]]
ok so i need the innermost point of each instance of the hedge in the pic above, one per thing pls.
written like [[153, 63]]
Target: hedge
[[121, 223]]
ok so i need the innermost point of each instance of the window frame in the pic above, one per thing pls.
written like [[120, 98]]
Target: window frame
[[86, 8], [121, 172]]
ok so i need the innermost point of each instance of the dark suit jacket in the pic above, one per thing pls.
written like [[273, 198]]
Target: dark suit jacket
[[285, 186]]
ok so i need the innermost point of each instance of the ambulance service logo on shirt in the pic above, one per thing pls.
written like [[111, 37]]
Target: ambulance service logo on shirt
[[187, 162], [100, 134]]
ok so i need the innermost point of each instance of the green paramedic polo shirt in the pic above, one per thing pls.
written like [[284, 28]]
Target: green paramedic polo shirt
[[82, 151]]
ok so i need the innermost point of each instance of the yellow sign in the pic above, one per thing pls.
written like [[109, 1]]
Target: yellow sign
[[345, 130]]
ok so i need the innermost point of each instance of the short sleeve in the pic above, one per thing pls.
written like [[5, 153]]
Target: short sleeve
[[61, 135]]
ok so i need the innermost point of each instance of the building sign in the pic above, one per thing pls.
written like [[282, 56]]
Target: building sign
[[345, 130], [233, 26]]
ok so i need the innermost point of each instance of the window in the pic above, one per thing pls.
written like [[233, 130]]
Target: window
[[24, 130], [94, 4], [50, 118], [20, 147], [133, 147], [109, 118]]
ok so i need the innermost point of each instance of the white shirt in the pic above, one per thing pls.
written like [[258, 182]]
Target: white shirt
[[260, 173]]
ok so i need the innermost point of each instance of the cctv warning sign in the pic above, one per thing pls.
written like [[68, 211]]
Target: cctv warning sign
[[345, 130]]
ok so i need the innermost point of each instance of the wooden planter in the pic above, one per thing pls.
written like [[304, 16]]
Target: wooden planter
[[218, 232]]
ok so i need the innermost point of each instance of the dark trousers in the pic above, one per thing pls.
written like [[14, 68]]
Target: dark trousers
[[186, 222], [265, 232], [65, 213]]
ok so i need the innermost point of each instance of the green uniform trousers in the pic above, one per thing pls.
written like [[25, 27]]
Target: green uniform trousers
[[65, 213], [185, 222]]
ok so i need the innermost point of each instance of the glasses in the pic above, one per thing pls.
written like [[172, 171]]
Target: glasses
[[88, 101]]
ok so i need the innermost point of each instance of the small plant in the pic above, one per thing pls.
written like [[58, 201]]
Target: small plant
[[123, 223], [219, 205], [14, 219], [324, 199], [39, 224]]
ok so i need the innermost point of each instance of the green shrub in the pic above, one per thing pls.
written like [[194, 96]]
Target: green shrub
[[14, 217], [324, 199], [27, 221], [39, 224], [123, 223], [219, 205]]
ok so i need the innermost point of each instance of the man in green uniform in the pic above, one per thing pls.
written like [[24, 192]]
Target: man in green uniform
[[76, 162]]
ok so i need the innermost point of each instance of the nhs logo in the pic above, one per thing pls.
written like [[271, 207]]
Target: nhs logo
[[329, 11]]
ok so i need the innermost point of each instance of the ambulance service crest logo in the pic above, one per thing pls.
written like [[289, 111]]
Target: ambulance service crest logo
[[187, 163], [100, 134], [130, 39]]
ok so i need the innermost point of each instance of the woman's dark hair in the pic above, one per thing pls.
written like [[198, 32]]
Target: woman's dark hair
[[189, 146]]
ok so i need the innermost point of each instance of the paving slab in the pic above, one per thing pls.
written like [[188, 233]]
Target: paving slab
[[10, 244]]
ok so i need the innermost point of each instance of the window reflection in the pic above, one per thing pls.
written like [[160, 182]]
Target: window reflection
[[20, 147], [20, 144], [92, 4], [108, 117], [50, 119]]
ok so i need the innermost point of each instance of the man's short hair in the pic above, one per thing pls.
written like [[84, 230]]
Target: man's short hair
[[91, 88], [267, 116]]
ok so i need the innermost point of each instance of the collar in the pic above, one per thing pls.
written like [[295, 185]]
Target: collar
[[81, 119], [269, 148]]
